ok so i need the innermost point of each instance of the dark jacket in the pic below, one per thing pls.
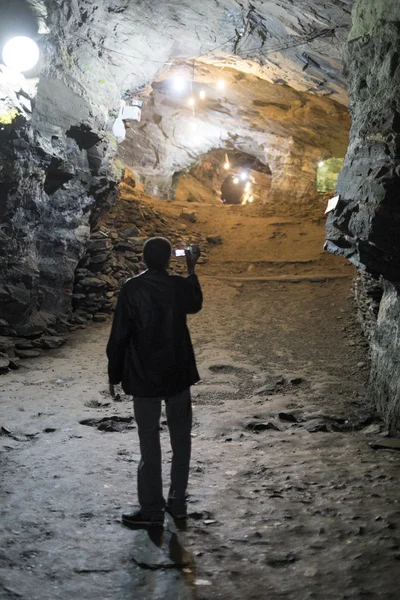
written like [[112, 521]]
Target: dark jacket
[[149, 349]]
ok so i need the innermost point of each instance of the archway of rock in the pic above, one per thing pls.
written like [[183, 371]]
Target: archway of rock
[[227, 176]]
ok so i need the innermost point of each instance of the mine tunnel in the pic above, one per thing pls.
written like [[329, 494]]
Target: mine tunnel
[[267, 135]]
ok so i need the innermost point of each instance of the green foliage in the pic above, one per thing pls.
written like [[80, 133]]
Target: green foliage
[[327, 175], [8, 116]]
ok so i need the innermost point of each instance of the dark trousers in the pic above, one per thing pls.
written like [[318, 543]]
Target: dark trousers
[[179, 417]]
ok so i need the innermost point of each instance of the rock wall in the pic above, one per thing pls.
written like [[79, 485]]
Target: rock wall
[[365, 225], [368, 293], [112, 254], [385, 372], [57, 172]]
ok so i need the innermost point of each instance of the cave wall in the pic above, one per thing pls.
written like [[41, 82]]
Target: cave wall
[[365, 225], [57, 172]]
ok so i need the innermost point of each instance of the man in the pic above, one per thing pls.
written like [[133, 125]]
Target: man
[[151, 353]]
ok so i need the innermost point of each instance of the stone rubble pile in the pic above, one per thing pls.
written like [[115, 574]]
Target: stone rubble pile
[[114, 254], [13, 348]]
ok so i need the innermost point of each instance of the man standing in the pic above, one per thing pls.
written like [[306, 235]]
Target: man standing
[[151, 353]]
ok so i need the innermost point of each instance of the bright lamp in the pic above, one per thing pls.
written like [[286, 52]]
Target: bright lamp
[[21, 54]]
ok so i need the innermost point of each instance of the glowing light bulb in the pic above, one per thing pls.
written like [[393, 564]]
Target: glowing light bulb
[[202, 95], [227, 166], [321, 163], [221, 84], [191, 101], [236, 180], [251, 199], [21, 54], [179, 84], [244, 176]]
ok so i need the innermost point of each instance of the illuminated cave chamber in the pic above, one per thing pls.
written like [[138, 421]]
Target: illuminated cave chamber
[[223, 176]]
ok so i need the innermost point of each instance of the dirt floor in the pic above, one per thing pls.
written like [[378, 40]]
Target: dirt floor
[[287, 498]]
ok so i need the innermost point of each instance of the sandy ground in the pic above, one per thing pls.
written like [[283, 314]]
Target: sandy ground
[[287, 498]]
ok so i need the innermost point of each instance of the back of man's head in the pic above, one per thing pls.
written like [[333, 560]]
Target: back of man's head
[[157, 253]]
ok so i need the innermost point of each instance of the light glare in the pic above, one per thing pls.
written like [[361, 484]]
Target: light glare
[[179, 83], [21, 54], [191, 101], [321, 163], [221, 84], [244, 176], [202, 95], [227, 166], [236, 180]]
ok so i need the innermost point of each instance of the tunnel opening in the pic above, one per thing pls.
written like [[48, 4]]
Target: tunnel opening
[[224, 176], [328, 172]]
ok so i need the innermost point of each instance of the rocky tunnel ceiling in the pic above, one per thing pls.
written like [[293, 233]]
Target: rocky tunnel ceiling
[[286, 42]]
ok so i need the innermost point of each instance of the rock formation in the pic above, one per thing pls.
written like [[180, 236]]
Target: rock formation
[[365, 225]]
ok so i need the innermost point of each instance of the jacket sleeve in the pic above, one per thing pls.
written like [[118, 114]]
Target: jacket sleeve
[[194, 295], [120, 334]]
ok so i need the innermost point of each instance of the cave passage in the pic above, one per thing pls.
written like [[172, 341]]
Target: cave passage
[[226, 125]]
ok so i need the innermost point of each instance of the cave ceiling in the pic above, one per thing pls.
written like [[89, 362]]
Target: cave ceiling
[[281, 61], [296, 42]]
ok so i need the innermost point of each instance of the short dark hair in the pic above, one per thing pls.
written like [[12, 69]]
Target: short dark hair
[[157, 253]]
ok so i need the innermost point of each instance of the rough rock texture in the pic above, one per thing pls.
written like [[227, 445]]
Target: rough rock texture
[[385, 372], [365, 225], [49, 185], [299, 44], [368, 293]]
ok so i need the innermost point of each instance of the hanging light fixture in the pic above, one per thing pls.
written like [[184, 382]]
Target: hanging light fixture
[[227, 163], [236, 180]]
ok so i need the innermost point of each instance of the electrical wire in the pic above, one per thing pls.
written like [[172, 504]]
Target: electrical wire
[[240, 53], [295, 44]]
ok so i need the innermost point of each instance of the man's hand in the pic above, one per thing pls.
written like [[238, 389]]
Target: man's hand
[[112, 390], [192, 256]]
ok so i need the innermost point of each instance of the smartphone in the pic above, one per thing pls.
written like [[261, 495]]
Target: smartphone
[[180, 252]]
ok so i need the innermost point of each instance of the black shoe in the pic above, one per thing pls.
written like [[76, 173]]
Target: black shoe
[[140, 519], [177, 510]]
